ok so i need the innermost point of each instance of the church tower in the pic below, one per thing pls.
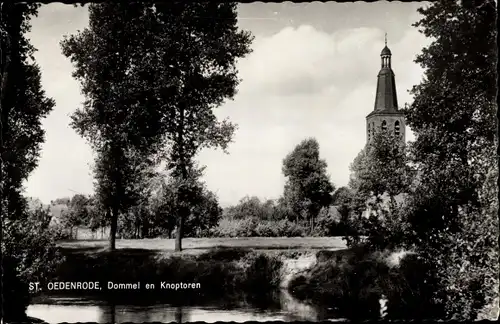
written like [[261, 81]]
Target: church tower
[[385, 114]]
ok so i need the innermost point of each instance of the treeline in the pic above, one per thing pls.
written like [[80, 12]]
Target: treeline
[[155, 217], [309, 207]]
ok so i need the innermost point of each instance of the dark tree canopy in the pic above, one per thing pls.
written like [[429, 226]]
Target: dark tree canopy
[[453, 215], [381, 167], [23, 106], [308, 187], [453, 114], [27, 247]]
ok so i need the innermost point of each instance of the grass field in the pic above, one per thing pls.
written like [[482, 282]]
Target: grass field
[[200, 245]]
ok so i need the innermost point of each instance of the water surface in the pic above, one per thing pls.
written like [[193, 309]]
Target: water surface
[[71, 310]]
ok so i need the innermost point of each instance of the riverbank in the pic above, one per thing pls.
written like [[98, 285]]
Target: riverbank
[[239, 279], [356, 282], [349, 282]]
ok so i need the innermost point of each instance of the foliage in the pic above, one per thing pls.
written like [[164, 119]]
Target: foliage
[[23, 105], [96, 216], [380, 179], [253, 227], [222, 273], [381, 167], [453, 214], [273, 218], [308, 188], [126, 61], [77, 214], [113, 118], [157, 216], [342, 196], [343, 200], [235, 228], [192, 76], [40, 215], [61, 201], [352, 284], [354, 280], [262, 272], [28, 254], [205, 214], [331, 222], [26, 243], [253, 207]]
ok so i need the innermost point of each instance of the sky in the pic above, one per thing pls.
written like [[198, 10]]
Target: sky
[[312, 73]]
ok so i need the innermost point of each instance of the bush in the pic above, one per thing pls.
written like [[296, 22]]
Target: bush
[[251, 227], [262, 272], [222, 273], [353, 284], [28, 254], [235, 228], [355, 280]]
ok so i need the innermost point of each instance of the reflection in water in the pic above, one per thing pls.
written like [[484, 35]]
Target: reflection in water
[[94, 311]]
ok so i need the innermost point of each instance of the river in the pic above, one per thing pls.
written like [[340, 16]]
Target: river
[[71, 310]]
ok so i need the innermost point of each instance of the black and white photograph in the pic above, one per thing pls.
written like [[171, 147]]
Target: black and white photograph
[[203, 161]]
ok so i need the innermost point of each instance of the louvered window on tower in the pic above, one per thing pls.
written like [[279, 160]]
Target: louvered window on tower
[[397, 130], [384, 125]]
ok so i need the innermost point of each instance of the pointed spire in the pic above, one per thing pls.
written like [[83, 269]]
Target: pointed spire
[[386, 98]]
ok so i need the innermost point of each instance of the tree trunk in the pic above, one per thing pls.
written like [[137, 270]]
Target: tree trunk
[[184, 174], [112, 231], [178, 234], [178, 315]]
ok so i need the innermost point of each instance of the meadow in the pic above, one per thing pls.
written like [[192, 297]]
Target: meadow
[[201, 245]]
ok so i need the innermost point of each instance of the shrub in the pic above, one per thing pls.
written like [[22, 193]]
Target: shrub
[[409, 290], [236, 228], [28, 254], [262, 272], [354, 288], [251, 227], [356, 279], [279, 229]]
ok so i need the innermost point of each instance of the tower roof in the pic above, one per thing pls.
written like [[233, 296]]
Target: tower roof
[[386, 97], [386, 51], [386, 100]]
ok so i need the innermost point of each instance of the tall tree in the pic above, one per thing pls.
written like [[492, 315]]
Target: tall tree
[[23, 106], [77, 214], [115, 117], [27, 249], [196, 74], [453, 118], [308, 187], [152, 74]]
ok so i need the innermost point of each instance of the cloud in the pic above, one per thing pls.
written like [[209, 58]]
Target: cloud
[[298, 83], [306, 60], [301, 83]]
